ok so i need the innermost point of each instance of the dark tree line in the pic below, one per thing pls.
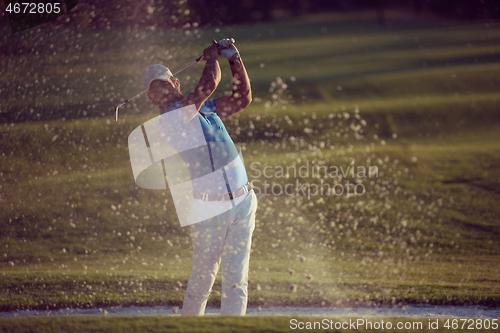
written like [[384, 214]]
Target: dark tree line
[[177, 13], [236, 11], [467, 9]]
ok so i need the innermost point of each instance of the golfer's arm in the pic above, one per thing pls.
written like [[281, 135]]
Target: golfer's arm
[[204, 89], [242, 93]]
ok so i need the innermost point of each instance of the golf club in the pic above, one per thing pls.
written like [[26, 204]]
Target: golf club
[[174, 73]]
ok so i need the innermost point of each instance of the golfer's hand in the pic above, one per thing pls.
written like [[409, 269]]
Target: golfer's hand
[[211, 52], [227, 49]]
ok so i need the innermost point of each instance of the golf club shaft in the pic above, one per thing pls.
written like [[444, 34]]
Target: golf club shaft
[[174, 73], [187, 66]]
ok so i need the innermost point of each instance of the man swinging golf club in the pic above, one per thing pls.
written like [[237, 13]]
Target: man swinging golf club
[[222, 212]]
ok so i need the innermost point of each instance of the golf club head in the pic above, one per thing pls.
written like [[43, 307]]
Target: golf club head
[[116, 113]]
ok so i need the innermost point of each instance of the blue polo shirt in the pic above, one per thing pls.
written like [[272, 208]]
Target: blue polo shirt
[[206, 149]]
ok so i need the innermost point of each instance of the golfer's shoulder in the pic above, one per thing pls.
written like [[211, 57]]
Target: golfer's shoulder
[[208, 106], [175, 106]]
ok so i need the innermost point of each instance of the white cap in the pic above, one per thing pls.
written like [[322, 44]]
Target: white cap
[[155, 72]]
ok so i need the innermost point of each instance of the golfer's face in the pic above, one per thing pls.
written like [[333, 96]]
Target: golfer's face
[[157, 88]]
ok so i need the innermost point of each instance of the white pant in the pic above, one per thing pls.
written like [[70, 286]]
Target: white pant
[[227, 237]]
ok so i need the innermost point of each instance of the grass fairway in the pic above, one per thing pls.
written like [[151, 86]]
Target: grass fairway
[[228, 324], [417, 100]]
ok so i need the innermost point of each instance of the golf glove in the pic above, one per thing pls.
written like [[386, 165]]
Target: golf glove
[[227, 48]]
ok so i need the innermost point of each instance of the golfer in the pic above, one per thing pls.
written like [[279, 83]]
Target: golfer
[[222, 211]]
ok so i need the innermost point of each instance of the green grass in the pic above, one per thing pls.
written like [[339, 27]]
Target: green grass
[[374, 248], [220, 324], [75, 231]]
